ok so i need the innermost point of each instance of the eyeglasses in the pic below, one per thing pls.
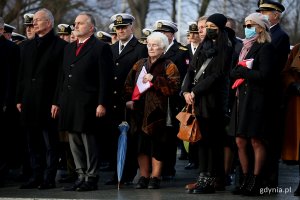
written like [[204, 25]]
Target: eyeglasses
[[249, 25], [38, 20], [152, 45]]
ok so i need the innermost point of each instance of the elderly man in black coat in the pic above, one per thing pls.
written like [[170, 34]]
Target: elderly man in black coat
[[9, 59], [84, 99], [41, 59]]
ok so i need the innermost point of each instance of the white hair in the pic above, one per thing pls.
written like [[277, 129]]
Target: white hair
[[49, 15], [161, 38]]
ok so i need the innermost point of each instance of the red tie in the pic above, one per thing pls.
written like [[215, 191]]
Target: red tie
[[79, 46]]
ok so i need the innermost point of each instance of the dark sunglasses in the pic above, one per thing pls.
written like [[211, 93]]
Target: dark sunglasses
[[249, 25]]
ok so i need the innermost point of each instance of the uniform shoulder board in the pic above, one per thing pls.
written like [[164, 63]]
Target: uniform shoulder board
[[183, 48]]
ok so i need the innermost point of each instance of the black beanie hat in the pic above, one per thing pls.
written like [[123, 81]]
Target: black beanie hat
[[218, 19]]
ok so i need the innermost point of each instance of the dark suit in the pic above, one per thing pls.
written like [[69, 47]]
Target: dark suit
[[179, 55], [123, 62], [281, 42], [41, 60], [9, 59], [85, 84]]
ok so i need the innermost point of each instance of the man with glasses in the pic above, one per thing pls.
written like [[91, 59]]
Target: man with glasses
[[41, 59], [126, 52]]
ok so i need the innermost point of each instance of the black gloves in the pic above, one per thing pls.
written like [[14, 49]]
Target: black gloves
[[239, 72]]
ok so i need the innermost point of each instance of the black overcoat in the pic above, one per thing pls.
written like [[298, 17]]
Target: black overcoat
[[85, 84], [10, 58], [253, 111], [123, 63], [179, 55], [41, 59]]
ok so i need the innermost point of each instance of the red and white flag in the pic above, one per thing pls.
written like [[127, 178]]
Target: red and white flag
[[140, 87], [245, 63]]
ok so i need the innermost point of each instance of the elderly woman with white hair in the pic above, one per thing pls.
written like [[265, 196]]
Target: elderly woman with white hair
[[254, 110], [149, 111]]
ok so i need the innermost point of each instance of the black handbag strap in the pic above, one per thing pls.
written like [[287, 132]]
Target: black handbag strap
[[201, 70]]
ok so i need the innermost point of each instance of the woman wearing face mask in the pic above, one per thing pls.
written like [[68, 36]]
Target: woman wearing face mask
[[254, 110], [209, 94]]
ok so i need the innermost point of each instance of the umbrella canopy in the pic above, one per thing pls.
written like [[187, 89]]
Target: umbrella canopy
[[122, 148]]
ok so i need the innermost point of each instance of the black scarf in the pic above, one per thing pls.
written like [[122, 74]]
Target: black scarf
[[206, 50]]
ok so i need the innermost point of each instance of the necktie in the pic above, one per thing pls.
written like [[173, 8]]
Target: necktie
[[122, 47], [79, 46]]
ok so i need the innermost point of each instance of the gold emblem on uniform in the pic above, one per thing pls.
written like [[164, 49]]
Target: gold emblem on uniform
[[159, 25], [194, 27], [100, 35], [27, 18], [62, 29], [147, 32], [261, 2], [183, 48], [119, 19]]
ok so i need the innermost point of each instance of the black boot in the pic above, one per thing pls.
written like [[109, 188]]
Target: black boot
[[297, 192], [254, 186], [242, 188], [205, 185]]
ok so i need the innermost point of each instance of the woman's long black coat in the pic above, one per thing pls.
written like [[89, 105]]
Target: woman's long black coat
[[255, 106], [211, 93]]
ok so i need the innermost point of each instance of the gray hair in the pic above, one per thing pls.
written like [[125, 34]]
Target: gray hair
[[1, 22], [202, 18], [161, 38], [49, 15], [91, 19]]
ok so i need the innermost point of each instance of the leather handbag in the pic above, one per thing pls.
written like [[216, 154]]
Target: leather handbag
[[189, 129]]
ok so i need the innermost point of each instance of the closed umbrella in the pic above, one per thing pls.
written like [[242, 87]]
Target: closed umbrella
[[122, 148]]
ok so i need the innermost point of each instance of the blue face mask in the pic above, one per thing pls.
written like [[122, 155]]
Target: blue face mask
[[250, 32], [267, 17]]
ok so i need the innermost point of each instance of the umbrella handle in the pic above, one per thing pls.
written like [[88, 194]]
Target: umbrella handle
[[125, 114]]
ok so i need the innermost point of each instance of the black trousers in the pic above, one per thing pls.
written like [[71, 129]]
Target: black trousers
[[42, 145]]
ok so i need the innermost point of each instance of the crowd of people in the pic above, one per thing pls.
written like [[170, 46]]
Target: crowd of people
[[65, 91]]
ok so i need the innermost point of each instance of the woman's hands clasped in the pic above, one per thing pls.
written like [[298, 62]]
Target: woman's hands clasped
[[189, 97]]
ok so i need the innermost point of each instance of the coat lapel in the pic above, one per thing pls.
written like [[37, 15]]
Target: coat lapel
[[129, 47], [254, 49], [85, 49]]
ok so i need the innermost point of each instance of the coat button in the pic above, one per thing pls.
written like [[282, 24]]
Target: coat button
[[115, 78], [33, 80], [115, 106], [69, 87], [117, 64], [115, 92], [72, 65], [70, 75]]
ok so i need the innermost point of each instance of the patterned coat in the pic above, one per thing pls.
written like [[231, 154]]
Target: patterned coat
[[291, 74], [151, 109]]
